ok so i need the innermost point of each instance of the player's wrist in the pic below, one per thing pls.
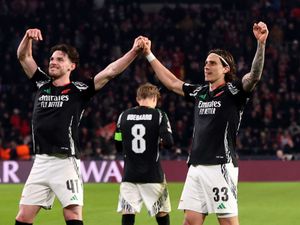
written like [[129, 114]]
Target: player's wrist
[[150, 57]]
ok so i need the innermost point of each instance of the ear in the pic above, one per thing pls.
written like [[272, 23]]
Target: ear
[[226, 69], [73, 66]]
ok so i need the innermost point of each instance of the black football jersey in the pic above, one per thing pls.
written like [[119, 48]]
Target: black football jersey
[[141, 130], [57, 113], [217, 117]]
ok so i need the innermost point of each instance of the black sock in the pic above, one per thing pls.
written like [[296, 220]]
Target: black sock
[[21, 223], [165, 220], [74, 222], [128, 219]]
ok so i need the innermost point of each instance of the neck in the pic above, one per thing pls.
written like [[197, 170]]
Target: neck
[[61, 81], [216, 84], [147, 103]]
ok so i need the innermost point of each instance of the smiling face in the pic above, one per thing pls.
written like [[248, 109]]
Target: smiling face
[[60, 65], [214, 70]]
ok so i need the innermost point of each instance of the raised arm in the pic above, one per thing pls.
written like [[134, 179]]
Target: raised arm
[[24, 52], [162, 73], [250, 80], [118, 66]]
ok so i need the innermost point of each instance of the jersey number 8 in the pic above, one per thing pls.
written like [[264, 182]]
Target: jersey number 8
[[138, 131]]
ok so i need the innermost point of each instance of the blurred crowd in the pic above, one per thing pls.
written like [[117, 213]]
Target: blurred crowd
[[181, 35]]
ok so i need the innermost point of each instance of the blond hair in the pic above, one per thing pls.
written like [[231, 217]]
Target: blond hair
[[147, 90]]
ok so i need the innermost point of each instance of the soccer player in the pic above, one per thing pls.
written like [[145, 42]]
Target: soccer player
[[211, 182], [58, 107], [139, 133]]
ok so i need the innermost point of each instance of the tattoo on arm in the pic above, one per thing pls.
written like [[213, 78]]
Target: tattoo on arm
[[251, 79]]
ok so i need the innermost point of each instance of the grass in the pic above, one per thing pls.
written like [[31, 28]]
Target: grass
[[259, 203]]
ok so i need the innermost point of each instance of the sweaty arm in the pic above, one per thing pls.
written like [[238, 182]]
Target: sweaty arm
[[251, 79], [118, 66], [24, 52]]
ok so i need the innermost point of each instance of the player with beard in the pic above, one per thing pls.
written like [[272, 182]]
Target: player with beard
[[58, 108]]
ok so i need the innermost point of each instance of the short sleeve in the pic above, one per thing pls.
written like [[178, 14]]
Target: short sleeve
[[191, 90], [39, 78]]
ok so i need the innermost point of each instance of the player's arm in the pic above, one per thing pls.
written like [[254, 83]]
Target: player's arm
[[163, 74], [24, 52], [250, 80], [118, 135], [118, 66], [118, 141], [166, 131]]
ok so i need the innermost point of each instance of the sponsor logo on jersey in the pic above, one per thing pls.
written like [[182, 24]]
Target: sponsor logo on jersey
[[202, 96], [47, 91], [208, 108], [233, 89], [53, 101], [221, 206], [74, 198], [80, 86], [139, 117]]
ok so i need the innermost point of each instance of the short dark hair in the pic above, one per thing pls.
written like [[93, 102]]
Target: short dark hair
[[231, 75], [69, 50], [147, 90]]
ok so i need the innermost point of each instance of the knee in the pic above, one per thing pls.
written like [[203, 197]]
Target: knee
[[161, 214], [73, 212], [193, 218], [23, 218], [27, 214]]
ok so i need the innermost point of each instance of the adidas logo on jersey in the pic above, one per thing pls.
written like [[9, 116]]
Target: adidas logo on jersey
[[74, 198], [221, 206]]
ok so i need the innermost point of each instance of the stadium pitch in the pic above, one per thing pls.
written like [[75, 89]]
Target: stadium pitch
[[259, 204]]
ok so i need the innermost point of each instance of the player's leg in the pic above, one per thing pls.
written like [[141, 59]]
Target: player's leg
[[193, 218], [229, 220], [155, 197], [130, 202], [36, 193], [128, 219], [73, 215], [225, 195], [193, 199], [163, 218], [27, 214], [68, 188]]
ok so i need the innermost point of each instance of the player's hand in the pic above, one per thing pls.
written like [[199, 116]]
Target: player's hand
[[147, 46], [138, 45], [34, 34], [260, 31]]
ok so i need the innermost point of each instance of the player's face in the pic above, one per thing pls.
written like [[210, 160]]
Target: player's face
[[214, 70], [60, 64]]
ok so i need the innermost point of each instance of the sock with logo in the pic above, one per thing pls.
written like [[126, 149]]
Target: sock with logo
[[128, 219], [74, 222], [165, 220], [21, 223]]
